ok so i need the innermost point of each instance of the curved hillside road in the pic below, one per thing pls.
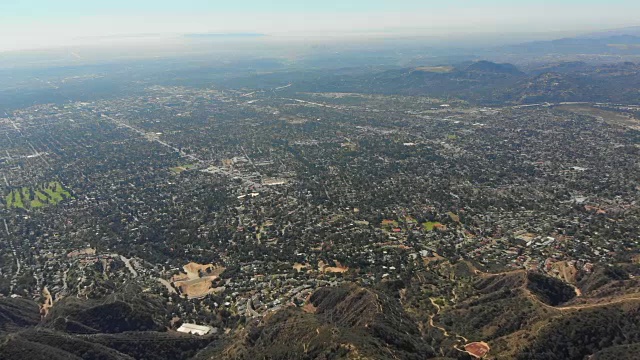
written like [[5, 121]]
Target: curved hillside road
[[459, 338], [127, 262], [167, 285]]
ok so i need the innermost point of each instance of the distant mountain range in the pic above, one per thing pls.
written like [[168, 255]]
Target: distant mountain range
[[632, 31], [618, 41], [224, 35], [481, 82]]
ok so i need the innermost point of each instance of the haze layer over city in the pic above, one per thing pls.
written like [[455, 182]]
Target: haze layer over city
[[319, 180]]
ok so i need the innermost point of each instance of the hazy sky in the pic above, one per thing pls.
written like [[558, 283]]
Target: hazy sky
[[28, 24]]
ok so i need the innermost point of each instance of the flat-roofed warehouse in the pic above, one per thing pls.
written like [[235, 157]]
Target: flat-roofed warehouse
[[194, 329]]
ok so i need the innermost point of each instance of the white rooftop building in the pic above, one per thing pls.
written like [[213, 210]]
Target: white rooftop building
[[194, 329]]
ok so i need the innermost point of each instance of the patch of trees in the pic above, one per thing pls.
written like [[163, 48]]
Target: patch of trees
[[586, 332], [17, 313], [550, 290]]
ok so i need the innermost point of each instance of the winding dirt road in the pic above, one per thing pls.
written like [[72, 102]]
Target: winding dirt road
[[459, 338]]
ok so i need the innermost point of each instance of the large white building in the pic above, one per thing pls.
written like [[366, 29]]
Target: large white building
[[194, 329]]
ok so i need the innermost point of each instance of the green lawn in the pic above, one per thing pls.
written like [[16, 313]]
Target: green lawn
[[430, 225], [17, 199], [54, 197], [26, 193], [41, 196], [50, 193], [60, 190], [9, 199], [36, 204]]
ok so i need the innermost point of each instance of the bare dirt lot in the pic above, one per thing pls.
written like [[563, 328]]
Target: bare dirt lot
[[477, 349], [196, 281]]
